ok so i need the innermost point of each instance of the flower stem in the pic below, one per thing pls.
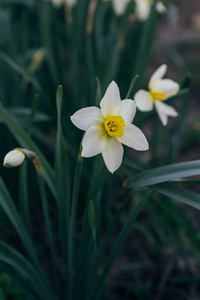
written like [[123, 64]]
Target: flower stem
[[94, 293], [72, 225], [131, 86], [48, 228]]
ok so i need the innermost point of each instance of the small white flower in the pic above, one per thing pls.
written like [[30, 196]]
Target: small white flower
[[71, 2], [58, 3], [109, 127], [13, 158], [119, 6], [159, 91], [143, 8]]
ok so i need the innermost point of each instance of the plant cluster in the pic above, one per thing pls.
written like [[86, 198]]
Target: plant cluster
[[60, 62]]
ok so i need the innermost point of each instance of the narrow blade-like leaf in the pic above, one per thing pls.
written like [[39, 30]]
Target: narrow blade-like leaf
[[182, 195], [163, 174]]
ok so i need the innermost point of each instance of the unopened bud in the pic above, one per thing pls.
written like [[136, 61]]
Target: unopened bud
[[36, 60], [16, 157], [13, 158]]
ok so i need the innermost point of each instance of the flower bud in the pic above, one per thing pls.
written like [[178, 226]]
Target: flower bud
[[13, 158]]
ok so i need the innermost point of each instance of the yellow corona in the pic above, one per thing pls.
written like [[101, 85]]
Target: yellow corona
[[114, 126]]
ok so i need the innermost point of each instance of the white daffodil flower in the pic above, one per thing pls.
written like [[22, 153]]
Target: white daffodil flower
[[159, 90], [108, 127], [13, 158], [58, 3], [71, 2], [119, 6], [143, 8]]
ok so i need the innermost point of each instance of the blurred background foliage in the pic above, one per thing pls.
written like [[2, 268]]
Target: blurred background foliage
[[42, 47]]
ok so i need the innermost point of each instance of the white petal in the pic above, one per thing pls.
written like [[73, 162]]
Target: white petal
[[158, 74], [72, 2], [142, 9], [133, 137], [128, 110], [94, 141], [143, 100], [111, 102], [113, 154], [164, 111], [86, 117], [161, 8], [13, 158], [120, 6], [169, 87], [166, 86]]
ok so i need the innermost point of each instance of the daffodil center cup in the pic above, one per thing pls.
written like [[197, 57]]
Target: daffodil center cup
[[148, 1], [158, 96], [114, 126]]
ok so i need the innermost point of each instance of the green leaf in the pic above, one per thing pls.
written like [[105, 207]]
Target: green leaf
[[26, 142], [182, 195], [26, 113], [92, 219], [25, 2], [131, 86], [33, 112], [145, 46], [49, 228], [23, 196], [98, 93], [17, 66], [25, 271], [94, 292], [72, 226], [48, 41], [8, 206], [115, 219], [62, 174], [163, 174]]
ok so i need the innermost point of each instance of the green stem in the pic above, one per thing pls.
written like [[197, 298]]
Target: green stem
[[62, 174], [72, 227], [107, 236], [97, 179], [145, 45], [118, 245], [23, 196], [114, 221], [131, 86], [49, 228]]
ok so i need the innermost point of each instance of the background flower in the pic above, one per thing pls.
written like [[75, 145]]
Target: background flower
[[58, 3], [159, 91], [119, 6], [143, 8]]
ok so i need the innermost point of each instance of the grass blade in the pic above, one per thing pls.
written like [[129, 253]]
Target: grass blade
[[8, 206], [163, 174], [62, 174], [17, 66], [24, 270], [117, 247], [182, 195]]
